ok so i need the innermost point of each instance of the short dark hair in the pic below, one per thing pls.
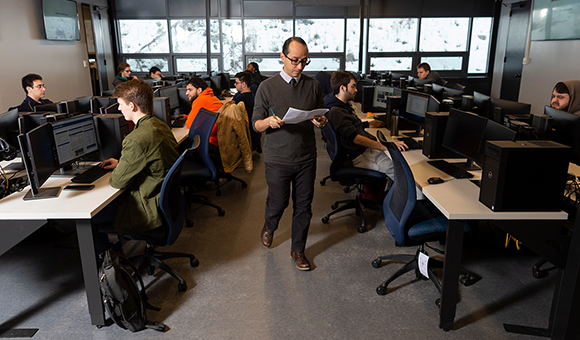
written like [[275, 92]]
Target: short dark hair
[[245, 77], [122, 67], [425, 66], [289, 40], [197, 82], [255, 65], [154, 69], [138, 92], [340, 78], [28, 80], [561, 88]]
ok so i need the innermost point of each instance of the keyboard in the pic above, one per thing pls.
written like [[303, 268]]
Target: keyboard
[[178, 123], [450, 169], [90, 175], [411, 143]]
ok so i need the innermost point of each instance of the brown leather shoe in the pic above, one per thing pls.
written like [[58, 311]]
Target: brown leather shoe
[[266, 235], [300, 259]]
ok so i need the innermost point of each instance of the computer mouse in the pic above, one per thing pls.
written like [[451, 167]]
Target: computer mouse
[[435, 180]]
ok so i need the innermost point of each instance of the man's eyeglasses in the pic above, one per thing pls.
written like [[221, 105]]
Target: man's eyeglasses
[[39, 86], [295, 62]]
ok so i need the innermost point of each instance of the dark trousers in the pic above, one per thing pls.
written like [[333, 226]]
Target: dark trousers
[[298, 179]]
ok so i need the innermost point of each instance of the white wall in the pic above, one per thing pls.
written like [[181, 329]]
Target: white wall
[[24, 50], [550, 62]]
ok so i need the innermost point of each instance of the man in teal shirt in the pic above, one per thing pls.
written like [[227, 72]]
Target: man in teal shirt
[[147, 154]]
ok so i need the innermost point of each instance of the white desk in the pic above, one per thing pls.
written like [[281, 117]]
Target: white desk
[[21, 218]]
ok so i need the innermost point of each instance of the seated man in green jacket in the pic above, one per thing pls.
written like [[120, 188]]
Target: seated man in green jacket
[[147, 154]]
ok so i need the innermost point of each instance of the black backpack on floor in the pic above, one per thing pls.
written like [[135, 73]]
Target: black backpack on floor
[[123, 299]]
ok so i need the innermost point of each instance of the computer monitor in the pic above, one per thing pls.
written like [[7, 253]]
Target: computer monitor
[[84, 104], [113, 108], [9, 127], [493, 131], [380, 95], [107, 93], [463, 134], [170, 92], [452, 93], [216, 85], [566, 130], [60, 107], [509, 107], [75, 138], [184, 103], [413, 108], [40, 161], [98, 102], [482, 103]]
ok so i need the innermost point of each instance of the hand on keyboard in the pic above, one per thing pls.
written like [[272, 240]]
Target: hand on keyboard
[[109, 164]]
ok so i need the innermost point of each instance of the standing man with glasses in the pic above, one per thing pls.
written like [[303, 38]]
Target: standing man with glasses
[[289, 149], [35, 90]]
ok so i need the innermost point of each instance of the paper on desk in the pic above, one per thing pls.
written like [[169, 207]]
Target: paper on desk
[[295, 116], [423, 264]]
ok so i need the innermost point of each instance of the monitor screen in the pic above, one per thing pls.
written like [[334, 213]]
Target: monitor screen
[[84, 104], [40, 160], [463, 133], [510, 107], [381, 94], [9, 127], [565, 130], [417, 104], [172, 93], [113, 108], [61, 20], [52, 107], [75, 138]]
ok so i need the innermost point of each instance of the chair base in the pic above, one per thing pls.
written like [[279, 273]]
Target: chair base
[[152, 258], [356, 204], [229, 177], [412, 263]]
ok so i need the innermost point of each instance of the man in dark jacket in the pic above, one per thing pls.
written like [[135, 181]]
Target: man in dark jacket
[[362, 147]]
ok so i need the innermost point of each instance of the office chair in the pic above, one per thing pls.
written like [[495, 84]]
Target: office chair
[[342, 171], [173, 210], [402, 211], [202, 168]]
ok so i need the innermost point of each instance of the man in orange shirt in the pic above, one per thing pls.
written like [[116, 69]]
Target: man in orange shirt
[[200, 95]]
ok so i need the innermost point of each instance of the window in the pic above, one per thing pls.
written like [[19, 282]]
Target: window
[[144, 36], [352, 43], [391, 63], [321, 35], [144, 64], [444, 63], [266, 35], [198, 65], [479, 49], [444, 34], [393, 35], [232, 42]]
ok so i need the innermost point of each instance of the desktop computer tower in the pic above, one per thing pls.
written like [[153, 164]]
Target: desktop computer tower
[[111, 130], [524, 175], [367, 99], [435, 123], [162, 109]]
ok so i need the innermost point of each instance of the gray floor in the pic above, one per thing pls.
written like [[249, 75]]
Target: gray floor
[[242, 290]]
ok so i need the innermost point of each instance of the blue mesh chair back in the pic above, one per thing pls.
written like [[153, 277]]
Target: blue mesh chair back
[[202, 126], [171, 199], [401, 198]]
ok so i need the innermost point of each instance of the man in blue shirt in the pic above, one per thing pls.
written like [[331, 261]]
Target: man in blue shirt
[[242, 84], [35, 90]]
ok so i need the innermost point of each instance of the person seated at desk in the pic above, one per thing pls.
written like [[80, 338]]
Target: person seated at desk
[[242, 84], [566, 96], [424, 73], [254, 70], [147, 154], [154, 73], [35, 91], [123, 74], [363, 148]]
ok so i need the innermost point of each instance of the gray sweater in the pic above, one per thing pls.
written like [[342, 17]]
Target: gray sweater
[[292, 143]]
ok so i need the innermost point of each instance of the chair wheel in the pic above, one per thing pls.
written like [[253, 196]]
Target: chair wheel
[[325, 220], [466, 280], [189, 224], [334, 206], [362, 229], [376, 264], [323, 182], [221, 212], [438, 303], [182, 287], [381, 290], [150, 270], [194, 262], [539, 273], [244, 185], [99, 326], [218, 193]]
